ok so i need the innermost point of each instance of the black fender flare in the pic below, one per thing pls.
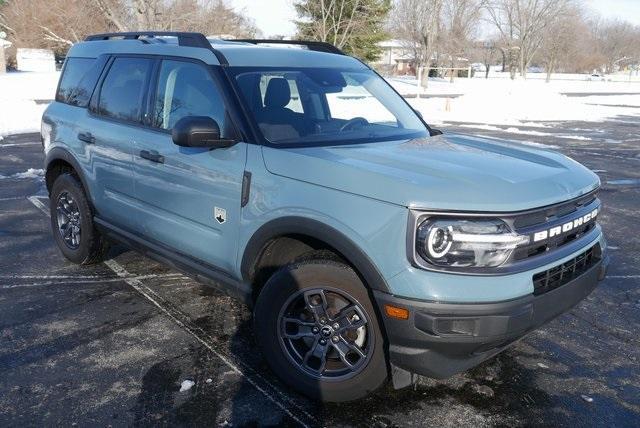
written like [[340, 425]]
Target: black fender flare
[[58, 153], [317, 230]]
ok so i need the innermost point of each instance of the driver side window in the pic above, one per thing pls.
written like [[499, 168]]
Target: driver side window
[[186, 89]]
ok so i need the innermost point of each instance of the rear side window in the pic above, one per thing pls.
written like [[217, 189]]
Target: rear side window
[[123, 88], [78, 80]]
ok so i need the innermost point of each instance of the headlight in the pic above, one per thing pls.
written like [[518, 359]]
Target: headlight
[[452, 242]]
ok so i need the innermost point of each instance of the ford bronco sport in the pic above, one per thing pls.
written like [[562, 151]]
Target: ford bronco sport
[[292, 176]]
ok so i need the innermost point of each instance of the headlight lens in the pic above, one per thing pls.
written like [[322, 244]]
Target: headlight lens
[[466, 242]]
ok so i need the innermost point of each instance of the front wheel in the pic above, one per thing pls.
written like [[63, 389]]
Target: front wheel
[[319, 332]]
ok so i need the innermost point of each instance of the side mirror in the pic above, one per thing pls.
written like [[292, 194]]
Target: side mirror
[[199, 131], [435, 132]]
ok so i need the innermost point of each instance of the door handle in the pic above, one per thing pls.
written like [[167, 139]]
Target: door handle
[[152, 155], [87, 137]]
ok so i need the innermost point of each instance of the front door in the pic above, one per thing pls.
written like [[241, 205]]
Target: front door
[[109, 132], [189, 197]]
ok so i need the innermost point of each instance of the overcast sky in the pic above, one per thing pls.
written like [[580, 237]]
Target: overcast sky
[[274, 17]]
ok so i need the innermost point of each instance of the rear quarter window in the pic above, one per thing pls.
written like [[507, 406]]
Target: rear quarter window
[[79, 78]]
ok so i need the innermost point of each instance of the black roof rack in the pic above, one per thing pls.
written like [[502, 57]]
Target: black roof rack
[[311, 45], [193, 40]]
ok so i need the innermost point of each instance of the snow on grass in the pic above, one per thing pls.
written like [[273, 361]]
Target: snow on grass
[[612, 100], [19, 111], [513, 103]]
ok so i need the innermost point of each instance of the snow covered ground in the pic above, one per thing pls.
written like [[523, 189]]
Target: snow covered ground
[[519, 102], [490, 102], [19, 91]]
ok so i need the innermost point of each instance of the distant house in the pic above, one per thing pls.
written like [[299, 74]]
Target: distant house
[[397, 57]]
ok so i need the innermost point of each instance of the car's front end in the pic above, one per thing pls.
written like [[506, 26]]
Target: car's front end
[[489, 279]]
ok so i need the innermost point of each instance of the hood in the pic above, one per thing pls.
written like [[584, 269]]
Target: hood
[[445, 172]]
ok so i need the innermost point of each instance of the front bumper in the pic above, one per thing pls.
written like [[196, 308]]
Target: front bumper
[[441, 339]]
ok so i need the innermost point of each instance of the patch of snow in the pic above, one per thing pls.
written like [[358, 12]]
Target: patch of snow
[[209, 380], [506, 102], [30, 173], [19, 111], [543, 366], [587, 398], [186, 385], [612, 100], [535, 144]]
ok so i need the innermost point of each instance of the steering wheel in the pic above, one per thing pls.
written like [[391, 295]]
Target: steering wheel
[[353, 122]]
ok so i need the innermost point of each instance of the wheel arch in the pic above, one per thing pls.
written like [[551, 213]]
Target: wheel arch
[[307, 232], [59, 160]]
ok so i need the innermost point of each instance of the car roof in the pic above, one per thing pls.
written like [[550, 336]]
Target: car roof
[[242, 53]]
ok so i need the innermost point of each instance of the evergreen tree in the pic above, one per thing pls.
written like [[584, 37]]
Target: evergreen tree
[[355, 26]]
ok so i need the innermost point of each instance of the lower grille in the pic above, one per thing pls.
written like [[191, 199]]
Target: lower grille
[[567, 271]]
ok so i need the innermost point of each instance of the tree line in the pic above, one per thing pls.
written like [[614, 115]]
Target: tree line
[[559, 35], [58, 24]]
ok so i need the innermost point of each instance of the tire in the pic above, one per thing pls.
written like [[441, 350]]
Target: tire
[[280, 302], [90, 246]]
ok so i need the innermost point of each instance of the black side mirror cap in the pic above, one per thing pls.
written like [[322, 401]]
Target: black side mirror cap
[[199, 131]]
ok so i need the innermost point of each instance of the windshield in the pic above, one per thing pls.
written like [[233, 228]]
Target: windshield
[[309, 106]]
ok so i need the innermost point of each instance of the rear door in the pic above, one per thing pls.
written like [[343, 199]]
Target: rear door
[[110, 131], [189, 197]]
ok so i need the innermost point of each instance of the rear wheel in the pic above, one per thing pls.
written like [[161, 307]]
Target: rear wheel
[[72, 222], [318, 330]]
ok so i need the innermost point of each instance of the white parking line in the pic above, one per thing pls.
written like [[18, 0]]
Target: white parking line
[[277, 397], [79, 277], [38, 203], [75, 280], [623, 276]]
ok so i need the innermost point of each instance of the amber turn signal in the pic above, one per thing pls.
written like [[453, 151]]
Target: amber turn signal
[[395, 312]]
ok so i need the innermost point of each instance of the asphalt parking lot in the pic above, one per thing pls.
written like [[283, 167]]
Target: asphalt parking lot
[[111, 344]]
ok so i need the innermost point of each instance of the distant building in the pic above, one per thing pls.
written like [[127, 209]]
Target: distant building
[[397, 57]]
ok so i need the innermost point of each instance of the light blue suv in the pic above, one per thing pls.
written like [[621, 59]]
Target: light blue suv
[[294, 177]]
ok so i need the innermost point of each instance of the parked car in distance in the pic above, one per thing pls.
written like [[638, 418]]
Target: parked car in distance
[[369, 245]]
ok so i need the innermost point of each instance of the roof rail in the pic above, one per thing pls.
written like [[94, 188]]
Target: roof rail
[[311, 45], [194, 40]]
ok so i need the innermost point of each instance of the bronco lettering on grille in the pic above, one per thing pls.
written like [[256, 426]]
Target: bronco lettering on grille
[[566, 227]]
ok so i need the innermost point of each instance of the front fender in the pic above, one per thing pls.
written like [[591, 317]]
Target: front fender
[[320, 231]]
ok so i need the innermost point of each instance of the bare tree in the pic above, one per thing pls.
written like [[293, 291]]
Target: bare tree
[[460, 20], [58, 24], [561, 39], [522, 25], [108, 12], [53, 24], [356, 26], [616, 42], [418, 23]]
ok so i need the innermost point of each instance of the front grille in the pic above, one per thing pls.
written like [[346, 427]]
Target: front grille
[[546, 214], [567, 271], [538, 248], [544, 218]]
